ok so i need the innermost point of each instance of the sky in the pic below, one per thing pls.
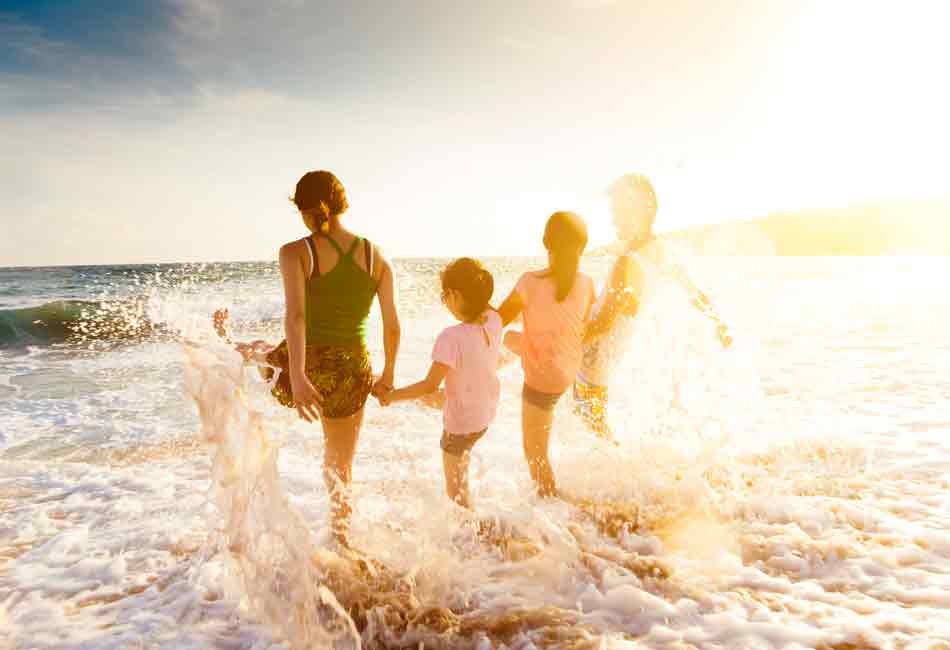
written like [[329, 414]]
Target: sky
[[175, 130]]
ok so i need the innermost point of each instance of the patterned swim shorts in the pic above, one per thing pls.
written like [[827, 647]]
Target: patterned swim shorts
[[590, 403], [342, 375]]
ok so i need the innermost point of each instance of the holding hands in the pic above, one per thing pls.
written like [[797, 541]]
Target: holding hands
[[383, 387]]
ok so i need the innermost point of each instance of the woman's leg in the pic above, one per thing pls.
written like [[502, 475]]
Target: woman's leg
[[456, 477], [340, 437], [536, 435]]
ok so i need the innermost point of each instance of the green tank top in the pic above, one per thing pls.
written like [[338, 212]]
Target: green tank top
[[338, 302]]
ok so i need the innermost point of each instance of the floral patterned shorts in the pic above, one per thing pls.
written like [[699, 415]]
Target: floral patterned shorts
[[341, 374], [590, 403]]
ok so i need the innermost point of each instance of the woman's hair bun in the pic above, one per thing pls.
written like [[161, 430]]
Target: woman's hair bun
[[321, 190]]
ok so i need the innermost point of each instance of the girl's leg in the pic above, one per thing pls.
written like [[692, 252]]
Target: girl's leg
[[340, 437], [456, 477], [536, 435]]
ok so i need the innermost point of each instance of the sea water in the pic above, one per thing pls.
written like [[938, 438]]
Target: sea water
[[790, 492]]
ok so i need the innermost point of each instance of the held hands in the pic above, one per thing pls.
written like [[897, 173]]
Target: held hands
[[383, 388], [306, 398]]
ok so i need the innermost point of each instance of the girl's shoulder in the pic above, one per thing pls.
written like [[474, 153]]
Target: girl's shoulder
[[531, 278], [535, 274], [584, 279]]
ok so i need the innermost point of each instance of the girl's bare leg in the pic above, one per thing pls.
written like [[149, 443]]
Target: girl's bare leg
[[456, 477], [340, 437], [536, 426]]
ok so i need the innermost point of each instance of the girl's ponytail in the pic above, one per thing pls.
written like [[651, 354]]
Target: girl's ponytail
[[565, 237]]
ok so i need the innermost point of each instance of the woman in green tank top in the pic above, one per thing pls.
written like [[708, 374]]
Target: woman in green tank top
[[331, 278]]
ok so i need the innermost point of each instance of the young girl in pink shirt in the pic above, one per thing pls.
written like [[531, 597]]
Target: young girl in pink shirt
[[466, 357], [556, 302]]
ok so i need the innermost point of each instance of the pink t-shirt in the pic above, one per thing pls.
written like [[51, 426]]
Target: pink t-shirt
[[471, 386], [551, 349]]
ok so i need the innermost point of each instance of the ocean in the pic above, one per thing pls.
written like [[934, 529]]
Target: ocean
[[792, 491]]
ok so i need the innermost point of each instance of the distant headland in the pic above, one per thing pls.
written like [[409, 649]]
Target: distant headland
[[895, 228]]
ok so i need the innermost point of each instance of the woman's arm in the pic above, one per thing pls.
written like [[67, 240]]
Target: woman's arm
[[392, 333], [306, 398], [623, 291], [437, 373]]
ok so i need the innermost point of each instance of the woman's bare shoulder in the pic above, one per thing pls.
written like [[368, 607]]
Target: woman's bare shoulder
[[296, 246], [381, 261], [293, 251]]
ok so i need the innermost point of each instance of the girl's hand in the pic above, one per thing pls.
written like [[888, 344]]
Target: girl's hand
[[306, 398], [383, 385]]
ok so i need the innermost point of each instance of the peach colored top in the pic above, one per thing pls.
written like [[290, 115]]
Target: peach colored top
[[551, 349]]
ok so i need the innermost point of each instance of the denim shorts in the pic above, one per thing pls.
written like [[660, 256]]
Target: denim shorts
[[458, 444]]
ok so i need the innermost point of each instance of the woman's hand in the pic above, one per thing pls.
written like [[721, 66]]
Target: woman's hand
[[306, 398], [724, 337], [383, 385], [385, 397]]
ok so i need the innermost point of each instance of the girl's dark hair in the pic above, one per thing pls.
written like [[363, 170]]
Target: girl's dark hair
[[473, 281], [323, 191], [565, 237]]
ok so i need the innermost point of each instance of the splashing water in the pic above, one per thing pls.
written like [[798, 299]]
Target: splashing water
[[267, 539], [659, 480], [739, 506]]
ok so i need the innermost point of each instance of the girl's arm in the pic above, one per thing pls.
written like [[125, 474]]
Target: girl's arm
[[434, 400], [306, 398], [511, 308], [430, 384], [623, 291], [392, 332]]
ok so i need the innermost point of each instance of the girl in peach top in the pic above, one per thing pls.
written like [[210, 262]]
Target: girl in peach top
[[556, 303]]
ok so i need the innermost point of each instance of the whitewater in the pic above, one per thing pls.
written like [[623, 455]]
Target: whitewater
[[790, 492]]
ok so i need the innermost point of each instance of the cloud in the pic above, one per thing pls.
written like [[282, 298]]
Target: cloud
[[593, 4], [87, 59], [28, 42]]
